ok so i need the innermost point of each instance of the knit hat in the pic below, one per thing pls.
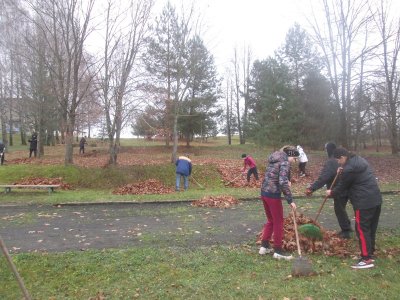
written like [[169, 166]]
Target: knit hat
[[244, 155], [329, 147], [291, 151], [339, 152]]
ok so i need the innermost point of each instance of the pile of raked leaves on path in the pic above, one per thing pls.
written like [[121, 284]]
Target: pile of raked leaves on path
[[150, 186], [330, 245], [44, 181], [222, 201]]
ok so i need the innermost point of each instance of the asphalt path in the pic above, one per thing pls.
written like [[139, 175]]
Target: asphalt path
[[46, 228]]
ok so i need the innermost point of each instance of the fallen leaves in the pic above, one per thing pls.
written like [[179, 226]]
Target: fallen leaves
[[151, 186], [45, 181], [330, 245], [223, 201]]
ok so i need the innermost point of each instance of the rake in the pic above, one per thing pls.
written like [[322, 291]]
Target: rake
[[198, 184], [233, 180], [301, 265], [313, 231]]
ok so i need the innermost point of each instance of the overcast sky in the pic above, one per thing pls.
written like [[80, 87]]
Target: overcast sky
[[260, 24]]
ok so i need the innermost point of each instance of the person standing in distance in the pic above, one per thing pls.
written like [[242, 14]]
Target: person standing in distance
[[33, 145], [302, 161], [276, 182], [359, 181]]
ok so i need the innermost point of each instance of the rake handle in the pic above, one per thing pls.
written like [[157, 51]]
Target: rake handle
[[233, 179], [296, 231], [326, 197]]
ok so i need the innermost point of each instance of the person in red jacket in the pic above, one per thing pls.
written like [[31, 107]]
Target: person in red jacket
[[249, 161]]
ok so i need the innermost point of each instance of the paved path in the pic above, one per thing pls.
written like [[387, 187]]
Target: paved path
[[49, 228]]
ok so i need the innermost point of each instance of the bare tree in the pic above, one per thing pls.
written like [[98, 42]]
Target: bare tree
[[337, 37], [389, 31], [65, 26], [125, 36]]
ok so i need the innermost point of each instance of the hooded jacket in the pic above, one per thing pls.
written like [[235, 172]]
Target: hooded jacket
[[277, 177], [359, 181], [183, 166]]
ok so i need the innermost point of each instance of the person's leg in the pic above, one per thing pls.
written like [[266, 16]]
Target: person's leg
[[177, 181], [374, 227], [276, 210], [185, 182], [30, 153], [339, 204], [248, 175], [267, 230], [363, 221], [254, 172]]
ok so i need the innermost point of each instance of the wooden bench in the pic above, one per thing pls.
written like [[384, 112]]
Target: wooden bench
[[49, 187]]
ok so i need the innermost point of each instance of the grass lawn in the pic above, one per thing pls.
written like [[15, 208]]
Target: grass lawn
[[170, 272], [204, 273]]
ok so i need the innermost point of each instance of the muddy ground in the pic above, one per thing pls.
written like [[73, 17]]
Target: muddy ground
[[176, 224]]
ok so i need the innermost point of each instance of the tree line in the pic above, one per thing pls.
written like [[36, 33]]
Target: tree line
[[67, 67]]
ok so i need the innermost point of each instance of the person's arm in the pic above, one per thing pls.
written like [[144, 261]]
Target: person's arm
[[327, 174], [284, 183]]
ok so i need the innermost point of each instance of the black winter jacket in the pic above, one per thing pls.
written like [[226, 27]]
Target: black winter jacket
[[327, 175], [360, 182]]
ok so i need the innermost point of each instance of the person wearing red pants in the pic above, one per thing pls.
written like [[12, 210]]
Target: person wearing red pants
[[363, 191], [276, 182]]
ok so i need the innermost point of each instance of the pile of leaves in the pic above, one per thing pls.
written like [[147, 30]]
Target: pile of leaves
[[223, 201], [45, 181], [330, 245], [150, 186]]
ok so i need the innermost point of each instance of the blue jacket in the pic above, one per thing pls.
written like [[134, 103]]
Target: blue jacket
[[183, 166]]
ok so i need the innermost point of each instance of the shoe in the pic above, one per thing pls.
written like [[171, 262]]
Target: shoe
[[364, 264], [279, 254], [264, 250], [302, 175], [345, 234]]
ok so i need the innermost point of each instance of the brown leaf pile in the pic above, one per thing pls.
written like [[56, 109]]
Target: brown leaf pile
[[44, 181], [331, 244], [223, 201], [151, 186]]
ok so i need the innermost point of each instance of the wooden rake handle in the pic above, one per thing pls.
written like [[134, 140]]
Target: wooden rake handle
[[296, 231], [326, 197]]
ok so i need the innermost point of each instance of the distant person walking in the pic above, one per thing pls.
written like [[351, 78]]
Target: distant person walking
[[33, 145], [249, 161], [183, 169], [82, 143], [302, 161]]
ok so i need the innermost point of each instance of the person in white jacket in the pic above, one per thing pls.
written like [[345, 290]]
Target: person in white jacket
[[302, 161]]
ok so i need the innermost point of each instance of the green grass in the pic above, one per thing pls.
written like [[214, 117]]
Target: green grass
[[211, 272]]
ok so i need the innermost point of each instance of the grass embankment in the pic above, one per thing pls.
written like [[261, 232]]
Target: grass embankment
[[206, 273]]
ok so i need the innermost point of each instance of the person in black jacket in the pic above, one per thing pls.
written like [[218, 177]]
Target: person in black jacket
[[359, 181], [2, 150], [33, 145], [326, 177]]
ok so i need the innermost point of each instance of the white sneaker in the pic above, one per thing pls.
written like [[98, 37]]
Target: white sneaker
[[281, 255], [264, 250]]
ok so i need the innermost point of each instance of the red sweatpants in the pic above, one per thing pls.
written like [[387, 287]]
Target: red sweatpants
[[274, 212]]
